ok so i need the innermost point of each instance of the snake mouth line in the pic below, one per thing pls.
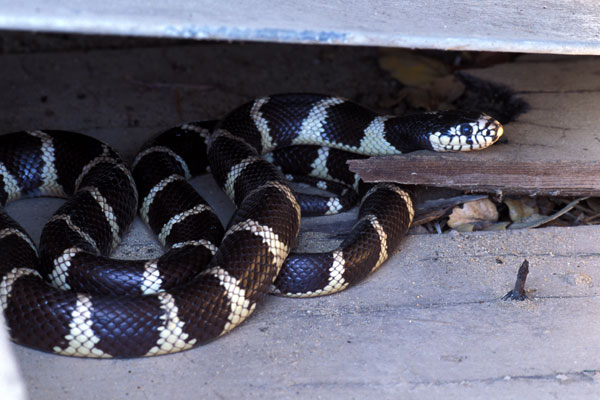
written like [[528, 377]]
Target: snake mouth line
[[485, 132]]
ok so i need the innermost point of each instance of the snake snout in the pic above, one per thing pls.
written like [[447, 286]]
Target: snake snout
[[486, 132], [466, 132]]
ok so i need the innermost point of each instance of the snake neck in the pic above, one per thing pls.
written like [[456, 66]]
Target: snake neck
[[408, 133]]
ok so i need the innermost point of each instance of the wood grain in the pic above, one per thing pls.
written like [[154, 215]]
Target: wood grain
[[564, 178]]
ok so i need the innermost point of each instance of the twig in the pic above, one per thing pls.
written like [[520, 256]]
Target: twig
[[545, 220], [518, 293]]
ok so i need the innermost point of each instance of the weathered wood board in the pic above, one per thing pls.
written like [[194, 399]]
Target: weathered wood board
[[428, 324], [547, 177], [539, 26], [554, 148], [563, 123]]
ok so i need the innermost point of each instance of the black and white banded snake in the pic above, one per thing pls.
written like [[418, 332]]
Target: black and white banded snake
[[74, 300]]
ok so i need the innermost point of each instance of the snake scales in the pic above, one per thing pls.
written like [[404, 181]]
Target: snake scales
[[73, 299]]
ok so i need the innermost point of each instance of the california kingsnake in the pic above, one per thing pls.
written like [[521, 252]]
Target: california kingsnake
[[200, 288]]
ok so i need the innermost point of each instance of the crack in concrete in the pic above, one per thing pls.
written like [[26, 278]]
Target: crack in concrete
[[521, 255], [586, 375], [385, 309]]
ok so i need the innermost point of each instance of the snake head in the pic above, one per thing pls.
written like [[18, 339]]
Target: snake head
[[464, 131]]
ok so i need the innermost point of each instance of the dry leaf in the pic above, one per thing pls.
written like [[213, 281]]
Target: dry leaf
[[498, 226], [537, 220], [521, 209], [545, 205], [387, 101], [412, 69], [464, 227], [481, 213], [447, 89], [417, 98]]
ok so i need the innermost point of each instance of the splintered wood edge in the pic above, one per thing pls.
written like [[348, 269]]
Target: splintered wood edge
[[534, 178]]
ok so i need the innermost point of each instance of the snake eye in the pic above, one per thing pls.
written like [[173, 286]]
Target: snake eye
[[465, 129]]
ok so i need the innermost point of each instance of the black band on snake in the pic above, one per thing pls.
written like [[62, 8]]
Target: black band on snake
[[74, 300]]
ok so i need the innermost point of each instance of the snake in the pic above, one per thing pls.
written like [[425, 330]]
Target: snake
[[70, 297]]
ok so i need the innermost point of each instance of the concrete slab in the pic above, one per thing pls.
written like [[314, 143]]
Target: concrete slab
[[540, 26], [11, 381], [429, 324]]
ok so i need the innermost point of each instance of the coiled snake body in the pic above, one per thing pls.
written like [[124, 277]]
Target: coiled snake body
[[74, 300]]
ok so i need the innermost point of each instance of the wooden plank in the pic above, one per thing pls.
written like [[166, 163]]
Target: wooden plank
[[563, 121], [554, 148], [554, 178], [560, 27]]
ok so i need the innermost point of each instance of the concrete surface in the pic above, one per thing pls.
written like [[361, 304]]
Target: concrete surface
[[429, 324], [11, 381], [540, 26]]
